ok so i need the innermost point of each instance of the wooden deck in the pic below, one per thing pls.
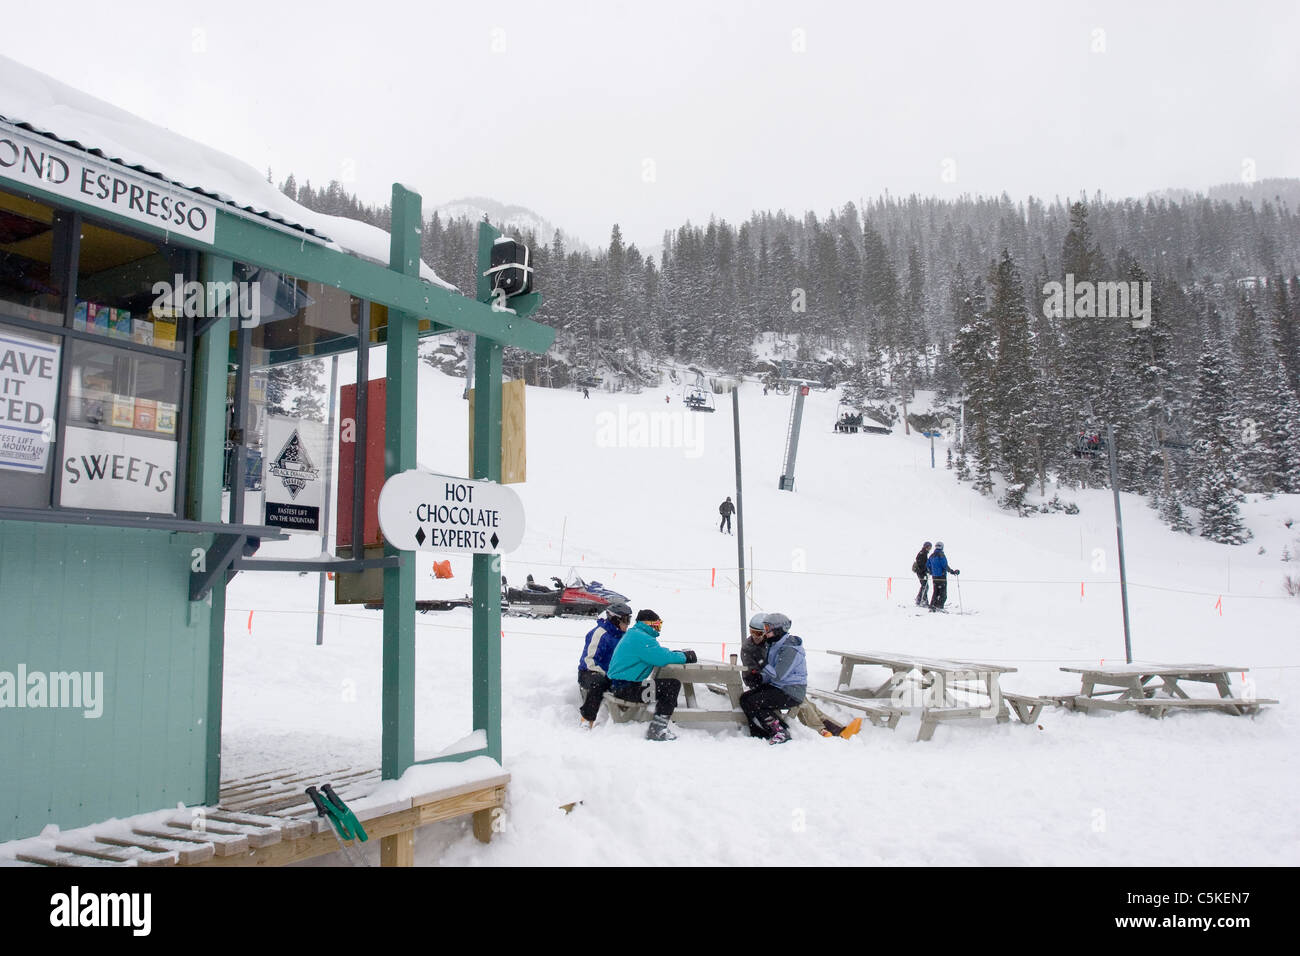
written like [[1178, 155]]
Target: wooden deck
[[267, 819]]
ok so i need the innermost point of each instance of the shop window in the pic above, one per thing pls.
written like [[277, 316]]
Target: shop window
[[118, 296], [120, 443], [33, 260], [29, 386]]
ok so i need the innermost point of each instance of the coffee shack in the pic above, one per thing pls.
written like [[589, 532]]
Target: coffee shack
[[145, 281]]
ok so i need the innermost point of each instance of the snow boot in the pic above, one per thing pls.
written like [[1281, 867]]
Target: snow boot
[[854, 726], [586, 724], [780, 734], [658, 729]]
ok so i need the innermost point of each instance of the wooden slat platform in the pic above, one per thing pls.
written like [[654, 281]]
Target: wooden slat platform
[[285, 828]]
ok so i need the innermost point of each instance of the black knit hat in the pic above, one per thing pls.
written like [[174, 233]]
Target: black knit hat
[[647, 615]]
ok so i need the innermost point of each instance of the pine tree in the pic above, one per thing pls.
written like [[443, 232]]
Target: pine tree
[[1011, 399], [1216, 477]]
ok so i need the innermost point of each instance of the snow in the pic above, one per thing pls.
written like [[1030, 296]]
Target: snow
[[31, 98], [1091, 789]]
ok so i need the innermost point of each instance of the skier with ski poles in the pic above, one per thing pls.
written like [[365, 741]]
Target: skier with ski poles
[[920, 567], [939, 568], [726, 509], [597, 649]]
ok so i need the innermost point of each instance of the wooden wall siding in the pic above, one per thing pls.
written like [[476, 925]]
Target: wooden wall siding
[[111, 600]]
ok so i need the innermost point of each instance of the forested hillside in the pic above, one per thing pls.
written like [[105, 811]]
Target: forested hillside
[[952, 295]]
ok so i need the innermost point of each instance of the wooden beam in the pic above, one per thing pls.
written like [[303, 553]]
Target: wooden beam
[[398, 704], [260, 242], [399, 849]]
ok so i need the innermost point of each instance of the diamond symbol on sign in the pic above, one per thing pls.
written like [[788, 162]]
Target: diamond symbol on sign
[[494, 539], [419, 535]]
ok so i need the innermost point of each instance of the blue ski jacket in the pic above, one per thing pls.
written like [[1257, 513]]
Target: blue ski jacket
[[938, 565], [598, 647], [787, 666], [639, 652]]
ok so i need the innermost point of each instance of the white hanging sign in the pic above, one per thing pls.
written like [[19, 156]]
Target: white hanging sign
[[422, 511]]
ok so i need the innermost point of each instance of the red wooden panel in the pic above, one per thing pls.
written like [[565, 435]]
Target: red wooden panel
[[376, 396]]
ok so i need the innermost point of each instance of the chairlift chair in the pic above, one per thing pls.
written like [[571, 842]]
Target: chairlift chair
[[848, 420]]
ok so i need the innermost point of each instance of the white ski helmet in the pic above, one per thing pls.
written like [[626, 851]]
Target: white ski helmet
[[938, 546], [778, 622]]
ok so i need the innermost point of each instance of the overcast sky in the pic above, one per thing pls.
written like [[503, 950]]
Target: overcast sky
[[651, 113]]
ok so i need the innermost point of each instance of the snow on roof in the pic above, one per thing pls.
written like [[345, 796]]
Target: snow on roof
[[32, 100]]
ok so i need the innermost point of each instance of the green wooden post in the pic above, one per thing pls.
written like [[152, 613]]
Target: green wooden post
[[487, 567], [207, 458], [399, 455]]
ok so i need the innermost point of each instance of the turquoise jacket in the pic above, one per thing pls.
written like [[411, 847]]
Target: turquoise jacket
[[639, 652]]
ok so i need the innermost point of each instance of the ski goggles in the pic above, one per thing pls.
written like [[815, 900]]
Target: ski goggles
[[657, 625]]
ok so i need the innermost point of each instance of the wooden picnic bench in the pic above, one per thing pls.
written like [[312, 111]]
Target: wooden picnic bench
[[940, 678], [720, 675], [880, 715], [1130, 687]]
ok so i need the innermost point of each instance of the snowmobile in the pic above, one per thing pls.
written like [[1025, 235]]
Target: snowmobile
[[579, 598]]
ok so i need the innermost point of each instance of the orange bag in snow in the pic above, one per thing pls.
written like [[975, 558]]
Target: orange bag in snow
[[442, 569]]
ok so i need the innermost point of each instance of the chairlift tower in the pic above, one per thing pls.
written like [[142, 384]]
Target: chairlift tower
[[792, 433]]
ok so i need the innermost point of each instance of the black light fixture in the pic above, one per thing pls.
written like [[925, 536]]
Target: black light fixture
[[511, 270]]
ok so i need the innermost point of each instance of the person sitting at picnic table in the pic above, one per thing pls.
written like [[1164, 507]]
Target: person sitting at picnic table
[[639, 653], [784, 681], [753, 657], [597, 649]]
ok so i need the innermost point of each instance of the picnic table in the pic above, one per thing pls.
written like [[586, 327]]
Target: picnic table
[[702, 672], [1130, 687], [940, 678]]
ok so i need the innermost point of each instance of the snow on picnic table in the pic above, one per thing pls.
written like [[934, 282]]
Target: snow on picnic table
[[1074, 788]]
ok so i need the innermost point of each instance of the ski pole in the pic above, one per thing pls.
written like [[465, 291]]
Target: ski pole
[[960, 609]]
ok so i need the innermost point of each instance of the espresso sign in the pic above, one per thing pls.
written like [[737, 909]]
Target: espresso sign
[[114, 471], [30, 160]]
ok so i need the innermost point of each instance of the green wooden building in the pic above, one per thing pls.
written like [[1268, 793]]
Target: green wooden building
[[116, 440]]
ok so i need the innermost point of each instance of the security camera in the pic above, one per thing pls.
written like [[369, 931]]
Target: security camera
[[510, 271]]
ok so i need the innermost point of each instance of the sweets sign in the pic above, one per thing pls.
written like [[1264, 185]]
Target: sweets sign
[[36, 162], [29, 379]]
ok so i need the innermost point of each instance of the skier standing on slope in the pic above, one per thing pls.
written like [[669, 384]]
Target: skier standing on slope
[[726, 509], [636, 655], [785, 681], [939, 569], [597, 650], [921, 569], [753, 657]]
